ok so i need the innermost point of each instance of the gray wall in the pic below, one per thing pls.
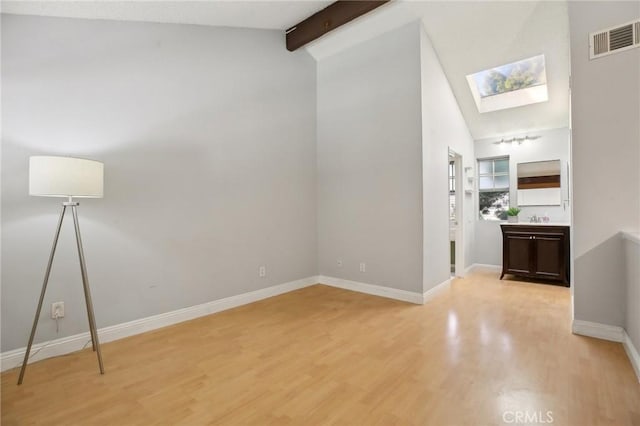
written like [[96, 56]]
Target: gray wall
[[208, 139], [553, 145], [443, 127], [369, 162], [632, 269], [606, 161]]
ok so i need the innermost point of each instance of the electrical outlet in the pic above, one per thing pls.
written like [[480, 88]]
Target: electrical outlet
[[57, 310], [363, 267], [262, 271], [339, 263]]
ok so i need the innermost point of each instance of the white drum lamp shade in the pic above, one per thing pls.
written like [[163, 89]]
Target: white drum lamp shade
[[65, 177]]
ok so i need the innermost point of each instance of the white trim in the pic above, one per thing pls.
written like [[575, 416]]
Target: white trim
[[631, 236], [572, 306], [375, 290], [597, 330], [65, 345], [40, 351], [432, 292], [483, 267], [632, 353]]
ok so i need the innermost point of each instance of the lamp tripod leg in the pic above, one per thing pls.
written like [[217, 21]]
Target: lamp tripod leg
[[87, 292], [42, 293]]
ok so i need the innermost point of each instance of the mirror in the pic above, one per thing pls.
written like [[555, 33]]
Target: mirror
[[539, 183]]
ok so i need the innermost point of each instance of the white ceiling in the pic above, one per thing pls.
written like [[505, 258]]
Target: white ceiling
[[469, 36], [265, 14]]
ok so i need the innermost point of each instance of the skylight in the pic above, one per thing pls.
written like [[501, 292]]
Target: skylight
[[511, 85]]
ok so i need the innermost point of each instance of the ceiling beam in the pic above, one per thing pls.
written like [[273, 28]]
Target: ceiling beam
[[329, 18]]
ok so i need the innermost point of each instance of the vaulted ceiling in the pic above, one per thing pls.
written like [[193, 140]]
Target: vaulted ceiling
[[272, 15], [468, 36], [473, 36]]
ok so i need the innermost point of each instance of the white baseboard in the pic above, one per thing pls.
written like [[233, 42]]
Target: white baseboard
[[483, 267], [597, 330], [65, 345], [632, 353], [612, 333], [430, 294], [375, 290]]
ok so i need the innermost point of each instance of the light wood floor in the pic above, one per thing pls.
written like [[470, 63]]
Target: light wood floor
[[477, 354]]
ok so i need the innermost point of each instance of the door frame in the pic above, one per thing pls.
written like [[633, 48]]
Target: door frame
[[460, 210]]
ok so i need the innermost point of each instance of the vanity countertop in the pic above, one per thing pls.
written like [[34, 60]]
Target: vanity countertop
[[537, 224]]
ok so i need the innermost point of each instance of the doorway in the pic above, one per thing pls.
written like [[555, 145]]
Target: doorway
[[456, 244]]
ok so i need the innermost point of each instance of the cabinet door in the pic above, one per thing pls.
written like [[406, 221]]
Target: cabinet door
[[549, 257], [518, 254]]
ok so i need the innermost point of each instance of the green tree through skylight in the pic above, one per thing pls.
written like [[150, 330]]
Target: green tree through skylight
[[510, 77]]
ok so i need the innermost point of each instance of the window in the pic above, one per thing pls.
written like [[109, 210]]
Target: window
[[511, 85], [493, 188]]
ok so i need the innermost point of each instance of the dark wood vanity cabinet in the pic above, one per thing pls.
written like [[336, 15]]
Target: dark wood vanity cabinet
[[536, 251]]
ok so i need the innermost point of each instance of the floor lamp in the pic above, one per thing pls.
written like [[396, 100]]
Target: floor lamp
[[66, 177]]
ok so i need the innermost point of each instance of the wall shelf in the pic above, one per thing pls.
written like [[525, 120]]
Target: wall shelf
[[469, 184]]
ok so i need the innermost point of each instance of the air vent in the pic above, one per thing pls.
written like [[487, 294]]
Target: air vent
[[614, 40], [621, 37]]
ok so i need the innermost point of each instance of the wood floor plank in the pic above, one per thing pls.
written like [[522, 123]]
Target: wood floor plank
[[477, 352]]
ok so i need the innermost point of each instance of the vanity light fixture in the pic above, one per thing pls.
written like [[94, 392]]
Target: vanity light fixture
[[516, 140]]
